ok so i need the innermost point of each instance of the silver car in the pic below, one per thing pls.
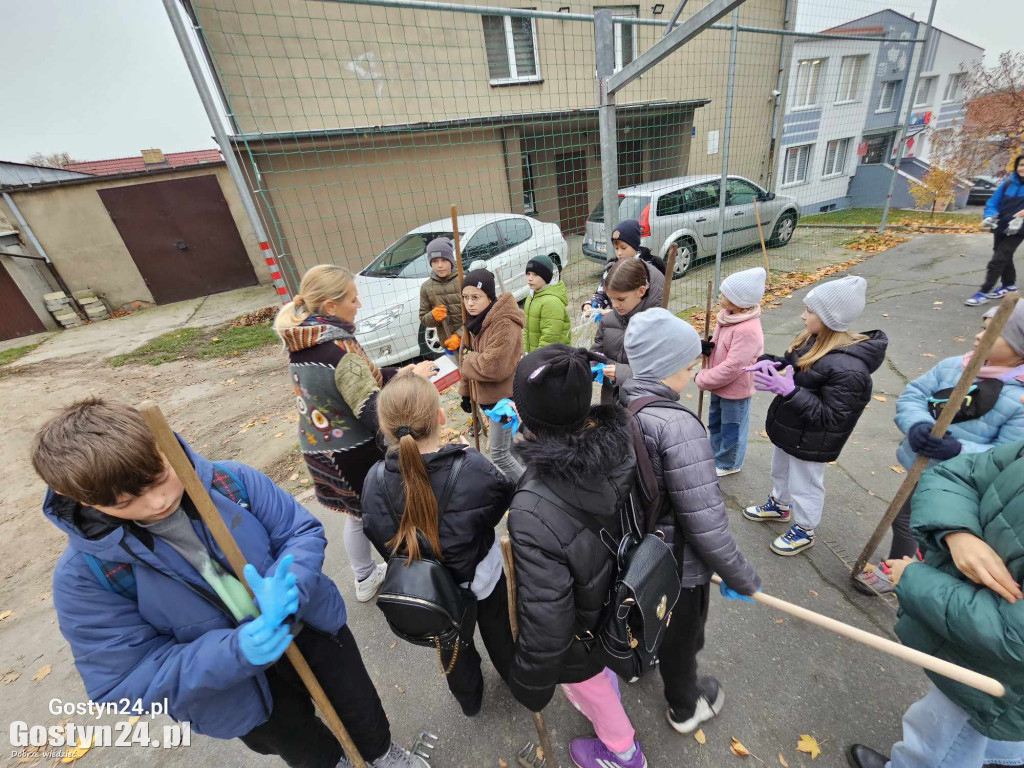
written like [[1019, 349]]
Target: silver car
[[684, 210]]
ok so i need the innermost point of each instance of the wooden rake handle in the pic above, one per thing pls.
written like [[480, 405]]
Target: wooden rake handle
[[175, 455], [988, 685]]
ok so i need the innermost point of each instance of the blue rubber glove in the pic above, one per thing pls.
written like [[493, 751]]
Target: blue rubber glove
[[732, 594], [504, 413], [597, 371], [277, 596], [261, 642]]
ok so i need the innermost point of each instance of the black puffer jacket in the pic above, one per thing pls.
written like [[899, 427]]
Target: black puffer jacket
[[563, 571], [481, 496], [816, 420], [695, 523]]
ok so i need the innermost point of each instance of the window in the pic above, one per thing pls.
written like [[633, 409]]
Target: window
[[835, 157], [625, 34], [888, 96], [671, 204], [878, 149], [739, 192], [923, 97], [529, 201], [850, 78], [952, 88], [808, 73], [515, 231], [797, 160], [484, 244], [701, 197], [511, 50]]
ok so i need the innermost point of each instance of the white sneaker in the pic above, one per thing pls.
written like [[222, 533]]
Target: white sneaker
[[367, 588], [709, 704], [399, 758], [727, 472]]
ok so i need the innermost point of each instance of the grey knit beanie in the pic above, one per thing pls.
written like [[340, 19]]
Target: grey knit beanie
[[838, 302], [441, 248], [745, 289], [1013, 331], [659, 344]]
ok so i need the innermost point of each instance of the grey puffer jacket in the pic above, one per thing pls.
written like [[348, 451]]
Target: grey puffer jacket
[[696, 524], [611, 335]]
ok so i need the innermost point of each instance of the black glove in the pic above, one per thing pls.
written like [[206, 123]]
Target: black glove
[[467, 405], [939, 448], [706, 347]]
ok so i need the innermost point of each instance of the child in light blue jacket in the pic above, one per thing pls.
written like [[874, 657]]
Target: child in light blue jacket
[[992, 414]]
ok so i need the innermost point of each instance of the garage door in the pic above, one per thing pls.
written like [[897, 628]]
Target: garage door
[[181, 236], [17, 318]]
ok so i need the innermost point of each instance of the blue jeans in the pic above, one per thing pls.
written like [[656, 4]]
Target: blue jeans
[[728, 423], [936, 734]]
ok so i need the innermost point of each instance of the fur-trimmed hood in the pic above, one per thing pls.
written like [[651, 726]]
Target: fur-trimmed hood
[[591, 470]]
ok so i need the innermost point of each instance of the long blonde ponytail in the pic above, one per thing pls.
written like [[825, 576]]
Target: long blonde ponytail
[[320, 284], [825, 342]]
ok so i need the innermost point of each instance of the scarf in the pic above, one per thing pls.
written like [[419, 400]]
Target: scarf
[[996, 371], [725, 317], [345, 337], [475, 324]]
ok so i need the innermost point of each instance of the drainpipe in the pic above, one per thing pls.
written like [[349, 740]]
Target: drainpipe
[[776, 110], [42, 253]]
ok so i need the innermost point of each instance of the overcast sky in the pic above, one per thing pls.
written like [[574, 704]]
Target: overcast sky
[[105, 78]]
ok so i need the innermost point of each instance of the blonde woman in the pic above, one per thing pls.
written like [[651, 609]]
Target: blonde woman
[[819, 397], [336, 388]]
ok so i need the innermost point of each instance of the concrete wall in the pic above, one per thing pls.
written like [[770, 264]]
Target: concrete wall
[[869, 186], [75, 229], [31, 277]]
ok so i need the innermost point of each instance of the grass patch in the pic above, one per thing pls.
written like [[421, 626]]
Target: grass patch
[[872, 217], [8, 356], [199, 344]]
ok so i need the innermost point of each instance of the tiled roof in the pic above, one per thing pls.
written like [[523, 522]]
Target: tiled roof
[[136, 164]]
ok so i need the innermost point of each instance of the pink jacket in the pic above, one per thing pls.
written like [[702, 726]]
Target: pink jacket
[[736, 347]]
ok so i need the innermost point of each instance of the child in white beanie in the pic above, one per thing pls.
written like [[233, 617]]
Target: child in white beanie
[[738, 343], [819, 397]]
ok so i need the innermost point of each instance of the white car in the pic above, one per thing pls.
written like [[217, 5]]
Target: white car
[[388, 324]]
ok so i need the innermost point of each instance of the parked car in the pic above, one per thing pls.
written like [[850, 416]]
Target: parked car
[[684, 210], [984, 187], [388, 325]]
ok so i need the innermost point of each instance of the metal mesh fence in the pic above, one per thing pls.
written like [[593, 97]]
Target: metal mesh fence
[[359, 123]]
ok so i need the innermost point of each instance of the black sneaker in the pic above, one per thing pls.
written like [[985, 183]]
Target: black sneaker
[[859, 756], [709, 704]]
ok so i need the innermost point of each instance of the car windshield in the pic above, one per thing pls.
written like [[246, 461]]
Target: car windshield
[[630, 207], [406, 258]]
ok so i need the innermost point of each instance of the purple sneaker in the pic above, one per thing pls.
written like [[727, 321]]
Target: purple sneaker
[[591, 753]]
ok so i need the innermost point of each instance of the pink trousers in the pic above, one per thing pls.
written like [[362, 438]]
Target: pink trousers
[[599, 700]]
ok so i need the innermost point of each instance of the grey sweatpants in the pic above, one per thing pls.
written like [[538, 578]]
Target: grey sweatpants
[[801, 484]]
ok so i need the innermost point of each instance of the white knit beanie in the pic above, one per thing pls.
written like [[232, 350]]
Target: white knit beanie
[[745, 289], [838, 302]]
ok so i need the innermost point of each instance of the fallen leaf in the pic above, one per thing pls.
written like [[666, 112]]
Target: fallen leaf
[[812, 592], [392, 646], [959, 339], [5, 614], [779, 621], [400, 689], [699, 736], [937, 303], [833, 463], [881, 399], [927, 354], [215, 338], [294, 476], [885, 314], [689, 396], [279, 434], [8, 676], [304, 481], [42, 672], [540, 753], [763, 433], [898, 469], [782, 761], [808, 745], [738, 749], [502, 763]]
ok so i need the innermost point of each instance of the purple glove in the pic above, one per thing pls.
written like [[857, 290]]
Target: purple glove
[[762, 366], [775, 382]]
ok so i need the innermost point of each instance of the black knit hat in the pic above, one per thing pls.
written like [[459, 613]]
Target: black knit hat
[[628, 232], [542, 267], [482, 279], [552, 389]]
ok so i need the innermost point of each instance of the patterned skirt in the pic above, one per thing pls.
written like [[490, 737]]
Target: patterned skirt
[[338, 476]]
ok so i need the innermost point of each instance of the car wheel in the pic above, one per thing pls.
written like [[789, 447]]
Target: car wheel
[[783, 232], [558, 266], [685, 258], [431, 345]]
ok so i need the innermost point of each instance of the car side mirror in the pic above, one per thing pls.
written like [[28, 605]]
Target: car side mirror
[[765, 196]]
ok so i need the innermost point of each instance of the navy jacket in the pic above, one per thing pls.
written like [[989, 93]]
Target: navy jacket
[[176, 641]]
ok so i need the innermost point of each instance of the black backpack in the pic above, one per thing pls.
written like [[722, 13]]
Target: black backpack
[[646, 584], [420, 600]]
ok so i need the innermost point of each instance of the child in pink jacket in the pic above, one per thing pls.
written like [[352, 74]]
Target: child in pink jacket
[[737, 343]]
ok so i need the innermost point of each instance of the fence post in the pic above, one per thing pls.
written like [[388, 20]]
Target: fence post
[[727, 131], [212, 112], [604, 54], [906, 120]]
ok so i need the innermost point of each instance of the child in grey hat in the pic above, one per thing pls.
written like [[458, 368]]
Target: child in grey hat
[[820, 393]]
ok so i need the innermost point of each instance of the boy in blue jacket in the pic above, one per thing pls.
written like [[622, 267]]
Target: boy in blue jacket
[[152, 611], [1003, 213]]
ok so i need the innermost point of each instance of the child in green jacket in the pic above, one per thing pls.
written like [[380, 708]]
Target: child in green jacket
[[547, 319], [964, 604]]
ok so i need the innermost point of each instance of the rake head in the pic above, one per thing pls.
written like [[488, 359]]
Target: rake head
[[528, 757], [424, 745]]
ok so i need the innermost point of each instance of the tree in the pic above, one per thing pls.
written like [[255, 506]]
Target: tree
[[56, 160], [937, 189]]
